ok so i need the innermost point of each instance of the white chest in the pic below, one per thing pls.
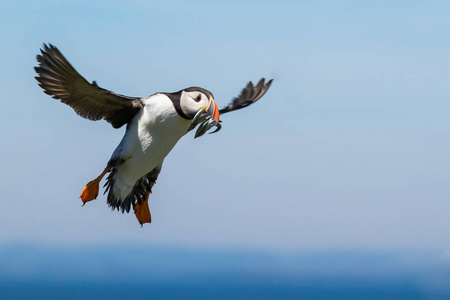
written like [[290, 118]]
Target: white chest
[[152, 134]]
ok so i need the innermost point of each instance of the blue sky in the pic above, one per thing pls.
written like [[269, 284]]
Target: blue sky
[[348, 149]]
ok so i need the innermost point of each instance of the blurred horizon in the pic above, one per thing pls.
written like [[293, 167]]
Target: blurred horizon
[[169, 272]]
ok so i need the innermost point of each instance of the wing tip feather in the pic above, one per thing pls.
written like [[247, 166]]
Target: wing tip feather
[[249, 95]]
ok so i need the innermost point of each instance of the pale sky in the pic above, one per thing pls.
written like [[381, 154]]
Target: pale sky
[[349, 149]]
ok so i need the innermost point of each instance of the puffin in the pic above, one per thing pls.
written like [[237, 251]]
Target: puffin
[[154, 124]]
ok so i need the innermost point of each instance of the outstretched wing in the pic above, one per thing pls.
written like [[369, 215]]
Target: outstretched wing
[[250, 94], [60, 80]]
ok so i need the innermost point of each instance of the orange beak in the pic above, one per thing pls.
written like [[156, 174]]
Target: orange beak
[[214, 110]]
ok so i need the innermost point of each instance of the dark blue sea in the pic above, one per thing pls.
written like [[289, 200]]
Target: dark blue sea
[[144, 272], [142, 290]]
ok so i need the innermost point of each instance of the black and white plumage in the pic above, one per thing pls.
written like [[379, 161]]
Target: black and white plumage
[[154, 125]]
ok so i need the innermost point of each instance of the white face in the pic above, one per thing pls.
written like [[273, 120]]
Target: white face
[[191, 102]]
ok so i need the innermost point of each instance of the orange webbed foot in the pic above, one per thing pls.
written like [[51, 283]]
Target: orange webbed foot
[[142, 211], [90, 191]]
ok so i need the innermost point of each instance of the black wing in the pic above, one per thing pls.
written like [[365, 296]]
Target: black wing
[[250, 94], [61, 81]]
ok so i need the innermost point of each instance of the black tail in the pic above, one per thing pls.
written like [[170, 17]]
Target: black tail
[[141, 187]]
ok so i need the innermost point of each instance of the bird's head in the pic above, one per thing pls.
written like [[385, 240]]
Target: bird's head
[[198, 104]]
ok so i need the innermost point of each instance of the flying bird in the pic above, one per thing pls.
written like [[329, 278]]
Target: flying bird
[[154, 124]]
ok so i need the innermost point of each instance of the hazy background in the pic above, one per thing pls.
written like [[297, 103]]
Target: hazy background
[[346, 156]]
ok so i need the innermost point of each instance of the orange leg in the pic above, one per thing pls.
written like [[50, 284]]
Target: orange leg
[[90, 191], [142, 211]]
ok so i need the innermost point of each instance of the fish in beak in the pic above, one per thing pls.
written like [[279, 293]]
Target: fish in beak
[[207, 117]]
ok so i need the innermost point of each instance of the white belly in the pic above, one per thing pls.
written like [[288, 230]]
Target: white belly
[[150, 137]]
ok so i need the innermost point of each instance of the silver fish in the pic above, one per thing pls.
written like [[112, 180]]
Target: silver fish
[[206, 122], [206, 125], [199, 117]]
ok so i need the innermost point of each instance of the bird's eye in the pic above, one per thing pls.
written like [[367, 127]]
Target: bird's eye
[[198, 98]]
